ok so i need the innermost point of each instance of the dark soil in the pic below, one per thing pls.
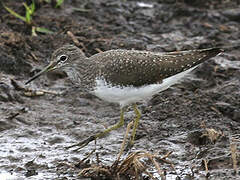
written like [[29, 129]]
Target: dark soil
[[197, 120]]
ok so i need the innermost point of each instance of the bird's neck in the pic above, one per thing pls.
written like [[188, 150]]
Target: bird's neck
[[82, 73]]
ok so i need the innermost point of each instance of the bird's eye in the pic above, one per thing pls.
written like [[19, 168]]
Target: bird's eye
[[63, 58]]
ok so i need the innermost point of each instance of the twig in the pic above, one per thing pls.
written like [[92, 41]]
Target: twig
[[124, 140], [233, 148], [206, 167]]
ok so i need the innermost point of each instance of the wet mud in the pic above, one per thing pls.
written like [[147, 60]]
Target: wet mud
[[196, 123]]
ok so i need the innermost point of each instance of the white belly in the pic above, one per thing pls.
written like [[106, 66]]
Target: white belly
[[128, 95]]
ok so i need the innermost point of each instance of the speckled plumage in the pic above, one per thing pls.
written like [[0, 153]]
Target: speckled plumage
[[114, 70], [139, 68]]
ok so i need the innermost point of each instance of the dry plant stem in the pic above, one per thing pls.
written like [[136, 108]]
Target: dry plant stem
[[133, 160], [86, 171], [127, 162], [76, 41], [136, 122], [124, 140], [212, 134], [216, 110], [233, 148], [150, 157], [73, 37], [160, 172], [49, 92], [31, 92], [168, 154], [206, 165], [98, 50], [163, 159]]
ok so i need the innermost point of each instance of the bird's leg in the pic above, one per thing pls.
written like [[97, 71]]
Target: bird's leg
[[136, 122], [94, 137], [116, 126]]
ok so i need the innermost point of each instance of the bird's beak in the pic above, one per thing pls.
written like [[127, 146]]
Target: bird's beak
[[48, 68]]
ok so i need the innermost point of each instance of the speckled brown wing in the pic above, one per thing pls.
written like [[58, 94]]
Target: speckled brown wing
[[138, 68]]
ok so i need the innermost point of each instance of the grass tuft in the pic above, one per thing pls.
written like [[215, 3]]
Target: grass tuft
[[29, 12], [59, 3]]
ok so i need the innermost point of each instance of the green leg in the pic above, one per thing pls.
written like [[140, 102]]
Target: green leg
[[136, 122], [116, 126], [94, 137]]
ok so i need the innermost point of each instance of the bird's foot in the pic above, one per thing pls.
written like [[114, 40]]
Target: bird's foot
[[83, 143], [129, 146]]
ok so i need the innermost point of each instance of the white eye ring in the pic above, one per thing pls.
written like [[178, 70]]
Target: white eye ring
[[62, 58]]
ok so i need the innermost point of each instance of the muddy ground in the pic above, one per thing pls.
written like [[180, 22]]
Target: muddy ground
[[197, 120]]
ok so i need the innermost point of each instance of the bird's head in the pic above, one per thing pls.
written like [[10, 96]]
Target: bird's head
[[62, 58]]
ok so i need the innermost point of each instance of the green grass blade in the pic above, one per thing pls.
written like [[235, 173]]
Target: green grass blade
[[28, 18], [33, 7], [14, 13], [27, 8], [28, 13], [44, 30], [59, 3]]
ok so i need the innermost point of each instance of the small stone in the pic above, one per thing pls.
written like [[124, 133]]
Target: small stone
[[55, 140], [5, 95], [225, 108], [236, 115], [232, 14]]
